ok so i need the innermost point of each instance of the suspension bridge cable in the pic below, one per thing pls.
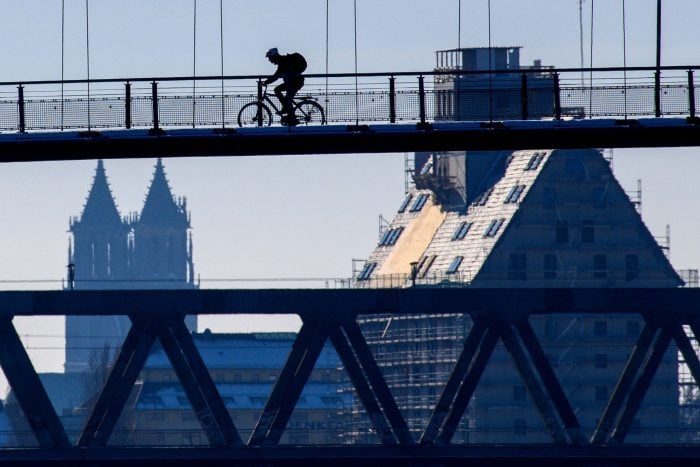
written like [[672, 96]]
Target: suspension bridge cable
[[459, 24], [490, 67], [580, 30], [194, 61], [624, 54], [357, 98], [221, 49], [63, 47], [327, 40], [87, 47], [590, 73]]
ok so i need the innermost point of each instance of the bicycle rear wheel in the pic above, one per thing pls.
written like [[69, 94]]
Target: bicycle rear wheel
[[251, 112], [309, 111]]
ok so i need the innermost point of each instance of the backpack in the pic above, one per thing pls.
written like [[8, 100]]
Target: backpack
[[297, 63]]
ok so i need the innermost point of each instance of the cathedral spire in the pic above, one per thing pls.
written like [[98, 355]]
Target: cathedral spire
[[160, 206], [100, 208]]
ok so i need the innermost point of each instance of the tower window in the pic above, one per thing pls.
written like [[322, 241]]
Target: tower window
[[600, 266], [517, 266], [405, 203], [600, 328], [419, 203], [550, 266], [632, 267], [462, 231], [494, 227], [587, 232], [562, 232], [454, 265], [514, 194]]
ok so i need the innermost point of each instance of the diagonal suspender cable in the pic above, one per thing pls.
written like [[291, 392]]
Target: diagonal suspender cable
[[624, 53], [87, 47], [194, 63], [590, 92], [63, 47], [357, 99], [221, 48]]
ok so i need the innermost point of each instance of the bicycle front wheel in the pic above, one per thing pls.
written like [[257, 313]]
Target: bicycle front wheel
[[309, 111], [254, 114]]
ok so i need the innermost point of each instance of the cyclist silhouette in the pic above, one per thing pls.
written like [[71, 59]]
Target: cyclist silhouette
[[289, 68]]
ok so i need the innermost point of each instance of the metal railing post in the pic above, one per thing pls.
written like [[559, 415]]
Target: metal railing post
[[657, 94], [691, 94], [154, 101], [260, 98], [557, 97], [127, 105], [523, 97], [421, 98], [20, 108], [392, 100]]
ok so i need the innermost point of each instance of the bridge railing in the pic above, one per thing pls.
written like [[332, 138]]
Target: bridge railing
[[432, 96]]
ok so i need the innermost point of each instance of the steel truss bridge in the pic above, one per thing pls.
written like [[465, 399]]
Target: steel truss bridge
[[369, 112], [330, 315]]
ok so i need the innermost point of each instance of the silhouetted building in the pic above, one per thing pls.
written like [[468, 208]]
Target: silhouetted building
[[150, 251]]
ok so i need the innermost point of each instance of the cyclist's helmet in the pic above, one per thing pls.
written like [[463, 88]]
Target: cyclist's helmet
[[273, 52]]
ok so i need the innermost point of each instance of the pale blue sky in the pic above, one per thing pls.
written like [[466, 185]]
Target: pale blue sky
[[307, 215]]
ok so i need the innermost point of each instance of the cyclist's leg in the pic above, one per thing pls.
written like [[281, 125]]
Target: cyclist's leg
[[279, 92], [293, 87]]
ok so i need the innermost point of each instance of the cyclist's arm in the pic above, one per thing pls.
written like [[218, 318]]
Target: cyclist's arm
[[274, 77]]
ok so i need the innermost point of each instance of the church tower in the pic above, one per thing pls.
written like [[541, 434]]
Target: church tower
[[162, 250], [99, 256], [150, 251]]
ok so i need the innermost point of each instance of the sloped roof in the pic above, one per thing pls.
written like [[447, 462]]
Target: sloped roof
[[261, 351], [100, 208], [241, 396], [160, 206], [582, 189]]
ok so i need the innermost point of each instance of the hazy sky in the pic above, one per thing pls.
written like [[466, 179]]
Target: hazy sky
[[302, 216]]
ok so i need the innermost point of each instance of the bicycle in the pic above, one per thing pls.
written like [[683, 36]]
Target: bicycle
[[306, 110]]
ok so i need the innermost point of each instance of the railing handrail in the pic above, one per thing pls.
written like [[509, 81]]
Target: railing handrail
[[387, 74]]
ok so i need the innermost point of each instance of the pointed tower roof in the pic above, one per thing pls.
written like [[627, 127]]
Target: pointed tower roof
[[160, 206], [100, 208]]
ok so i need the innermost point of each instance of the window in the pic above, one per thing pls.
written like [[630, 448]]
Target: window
[[454, 265], [601, 393], [462, 231], [419, 203], [425, 264], [632, 267], [535, 161], [493, 227], [633, 328], [519, 394], [601, 360], [548, 197], [390, 236], [562, 232], [514, 194], [600, 328], [405, 203], [550, 266], [600, 266], [587, 232], [519, 426], [481, 200], [517, 266], [366, 271]]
